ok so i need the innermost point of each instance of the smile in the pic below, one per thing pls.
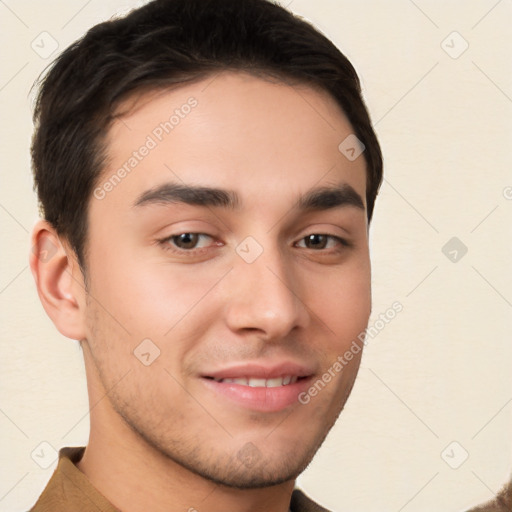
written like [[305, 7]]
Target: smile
[[255, 382]]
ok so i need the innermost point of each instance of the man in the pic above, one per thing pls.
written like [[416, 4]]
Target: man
[[207, 172]]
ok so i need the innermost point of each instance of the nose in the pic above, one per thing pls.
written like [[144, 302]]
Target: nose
[[264, 296]]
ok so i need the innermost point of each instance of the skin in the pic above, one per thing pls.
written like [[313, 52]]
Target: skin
[[160, 437]]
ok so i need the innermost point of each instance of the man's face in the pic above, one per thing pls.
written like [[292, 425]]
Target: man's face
[[206, 321]]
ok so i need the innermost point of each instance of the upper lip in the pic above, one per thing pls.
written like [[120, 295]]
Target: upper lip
[[261, 371]]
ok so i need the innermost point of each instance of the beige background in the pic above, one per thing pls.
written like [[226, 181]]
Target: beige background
[[440, 371]]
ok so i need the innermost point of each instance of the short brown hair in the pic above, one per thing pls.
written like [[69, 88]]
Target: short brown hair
[[166, 42]]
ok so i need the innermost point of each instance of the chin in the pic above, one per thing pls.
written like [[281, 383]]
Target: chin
[[262, 474]]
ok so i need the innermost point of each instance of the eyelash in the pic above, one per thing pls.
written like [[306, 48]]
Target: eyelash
[[165, 244]]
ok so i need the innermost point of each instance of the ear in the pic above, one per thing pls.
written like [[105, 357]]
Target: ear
[[59, 280]]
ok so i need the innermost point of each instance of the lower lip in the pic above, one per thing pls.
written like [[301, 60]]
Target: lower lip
[[261, 398]]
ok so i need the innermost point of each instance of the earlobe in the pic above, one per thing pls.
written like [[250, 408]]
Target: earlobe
[[58, 280]]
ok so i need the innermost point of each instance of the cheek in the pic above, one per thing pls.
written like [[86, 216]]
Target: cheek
[[344, 303], [145, 295]]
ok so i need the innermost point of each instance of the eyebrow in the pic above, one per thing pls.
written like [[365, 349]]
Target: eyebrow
[[316, 199]]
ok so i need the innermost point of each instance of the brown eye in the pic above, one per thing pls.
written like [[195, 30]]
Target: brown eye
[[316, 241], [186, 240], [321, 241]]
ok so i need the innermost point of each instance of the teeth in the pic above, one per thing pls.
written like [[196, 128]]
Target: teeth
[[274, 383], [262, 383], [256, 383]]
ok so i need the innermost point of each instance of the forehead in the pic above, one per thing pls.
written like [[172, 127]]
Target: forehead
[[231, 130]]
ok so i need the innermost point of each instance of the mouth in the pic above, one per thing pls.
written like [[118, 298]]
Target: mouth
[[256, 382], [259, 388]]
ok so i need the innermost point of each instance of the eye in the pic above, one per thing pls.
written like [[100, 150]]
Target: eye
[[186, 242], [321, 241]]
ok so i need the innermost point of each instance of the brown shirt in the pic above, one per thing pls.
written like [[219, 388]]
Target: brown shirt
[[69, 490]]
